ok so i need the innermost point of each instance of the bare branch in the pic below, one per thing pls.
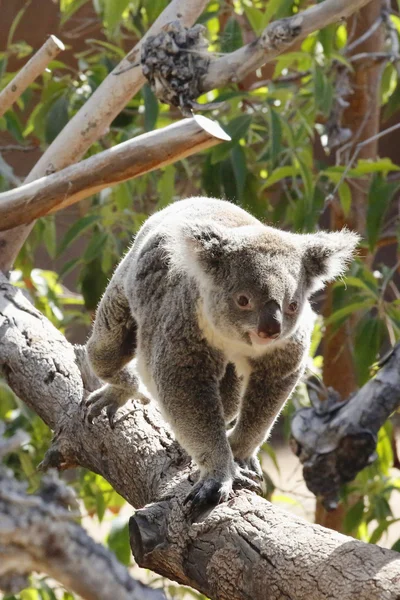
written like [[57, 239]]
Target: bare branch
[[275, 39], [38, 533], [335, 440], [93, 119], [130, 159], [27, 75], [246, 548]]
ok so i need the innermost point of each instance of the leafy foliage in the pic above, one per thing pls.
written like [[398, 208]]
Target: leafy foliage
[[278, 165]]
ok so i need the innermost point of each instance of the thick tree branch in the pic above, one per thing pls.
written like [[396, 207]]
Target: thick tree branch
[[335, 440], [38, 533], [179, 68], [245, 549], [94, 118], [276, 38], [27, 75], [130, 159]]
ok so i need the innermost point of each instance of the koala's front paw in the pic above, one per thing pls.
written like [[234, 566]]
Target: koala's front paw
[[250, 467], [108, 396], [211, 491]]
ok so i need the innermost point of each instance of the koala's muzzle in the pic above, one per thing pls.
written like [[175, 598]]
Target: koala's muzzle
[[270, 320]]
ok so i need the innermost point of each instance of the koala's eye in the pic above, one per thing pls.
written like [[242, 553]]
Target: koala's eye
[[293, 307], [243, 301]]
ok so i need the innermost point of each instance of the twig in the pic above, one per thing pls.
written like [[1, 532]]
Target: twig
[[356, 153], [127, 160], [364, 36], [15, 148], [33, 68]]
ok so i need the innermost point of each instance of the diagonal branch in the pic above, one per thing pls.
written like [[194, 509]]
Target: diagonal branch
[[38, 533], [246, 548], [277, 37], [27, 75], [93, 119], [335, 440], [130, 159]]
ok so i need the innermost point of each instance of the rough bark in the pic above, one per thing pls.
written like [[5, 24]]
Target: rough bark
[[94, 118], [335, 440], [277, 37], [130, 159], [39, 533], [245, 549], [27, 75]]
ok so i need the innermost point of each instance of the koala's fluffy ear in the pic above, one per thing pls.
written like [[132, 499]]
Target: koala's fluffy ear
[[327, 254], [199, 248]]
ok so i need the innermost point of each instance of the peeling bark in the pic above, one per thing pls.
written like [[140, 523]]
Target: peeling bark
[[244, 549]]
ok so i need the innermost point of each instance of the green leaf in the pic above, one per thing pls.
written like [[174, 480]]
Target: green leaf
[[113, 10], [100, 505], [279, 174], [118, 540], [166, 186], [367, 343], [238, 159], [255, 17], [151, 108], [97, 242], [344, 312], [56, 118], [76, 230], [354, 517], [232, 37], [275, 135], [93, 282], [237, 129], [380, 195], [345, 198], [50, 235], [396, 546], [68, 267]]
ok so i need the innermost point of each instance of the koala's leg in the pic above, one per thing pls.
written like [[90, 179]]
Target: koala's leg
[[265, 395], [189, 398], [110, 350], [230, 388]]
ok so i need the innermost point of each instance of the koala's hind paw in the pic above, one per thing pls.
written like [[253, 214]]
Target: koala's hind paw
[[250, 467], [243, 481], [109, 397], [210, 492], [206, 494]]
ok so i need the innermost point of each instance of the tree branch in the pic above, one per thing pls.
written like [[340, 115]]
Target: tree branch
[[276, 38], [179, 69], [38, 533], [93, 119], [130, 159], [246, 548], [335, 440], [27, 75]]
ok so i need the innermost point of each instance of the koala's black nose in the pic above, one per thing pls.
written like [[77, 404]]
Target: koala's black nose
[[270, 320]]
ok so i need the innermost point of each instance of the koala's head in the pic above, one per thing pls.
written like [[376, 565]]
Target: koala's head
[[255, 280]]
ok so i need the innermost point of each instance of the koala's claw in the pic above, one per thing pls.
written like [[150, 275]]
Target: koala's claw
[[103, 398], [209, 492], [251, 467], [243, 481]]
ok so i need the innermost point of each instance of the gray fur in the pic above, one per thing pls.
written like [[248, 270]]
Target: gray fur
[[173, 304]]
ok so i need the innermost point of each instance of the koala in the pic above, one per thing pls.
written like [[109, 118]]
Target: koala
[[210, 310]]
